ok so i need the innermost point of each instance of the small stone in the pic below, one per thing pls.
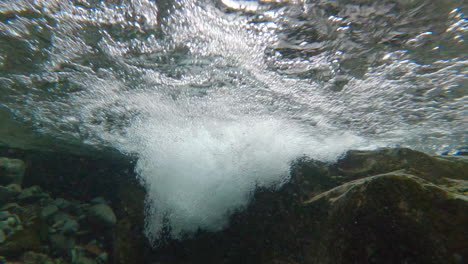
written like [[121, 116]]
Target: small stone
[[34, 258], [4, 215], [61, 203], [58, 224], [62, 243], [78, 257], [4, 225], [12, 207], [14, 187], [11, 171], [60, 218], [102, 214], [10, 224], [85, 260], [7, 194], [7, 230], [93, 248], [103, 257], [32, 193], [98, 200], [48, 211], [12, 221], [2, 236], [52, 230], [71, 226]]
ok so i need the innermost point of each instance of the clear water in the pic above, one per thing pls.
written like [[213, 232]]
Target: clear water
[[218, 97]]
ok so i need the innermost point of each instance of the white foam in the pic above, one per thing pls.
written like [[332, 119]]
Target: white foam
[[199, 170]]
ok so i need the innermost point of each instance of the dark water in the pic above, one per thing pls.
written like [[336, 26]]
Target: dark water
[[191, 88]]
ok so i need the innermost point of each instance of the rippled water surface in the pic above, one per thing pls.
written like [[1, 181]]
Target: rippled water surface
[[193, 88]]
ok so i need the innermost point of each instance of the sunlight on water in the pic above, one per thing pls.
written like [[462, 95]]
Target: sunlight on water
[[216, 98]]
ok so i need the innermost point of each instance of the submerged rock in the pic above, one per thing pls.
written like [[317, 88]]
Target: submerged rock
[[390, 218], [4, 215], [62, 243], [382, 206], [62, 204], [71, 226], [312, 177], [7, 194], [2, 236], [12, 207], [35, 258], [102, 214], [11, 171], [48, 211], [32, 194], [98, 200], [357, 164]]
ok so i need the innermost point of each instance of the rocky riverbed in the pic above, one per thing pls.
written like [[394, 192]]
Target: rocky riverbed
[[38, 228], [384, 206]]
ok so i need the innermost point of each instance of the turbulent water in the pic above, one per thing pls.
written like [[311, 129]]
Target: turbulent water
[[216, 98]]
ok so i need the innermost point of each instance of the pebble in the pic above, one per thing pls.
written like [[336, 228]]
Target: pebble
[[14, 187], [4, 225], [13, 171], [7, 194], [31, 193], [2, 236], [71, 226], [12, 221], [61, 242], [103, 257], [13, 207], [4, 215], [61, 203], [98, 200], [48, 211]]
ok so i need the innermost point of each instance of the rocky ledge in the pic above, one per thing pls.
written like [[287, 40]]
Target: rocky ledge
[[384, 206]]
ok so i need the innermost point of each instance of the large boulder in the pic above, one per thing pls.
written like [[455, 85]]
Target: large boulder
[[382, 206], [390, 218], [310, 177], [357, 164]]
